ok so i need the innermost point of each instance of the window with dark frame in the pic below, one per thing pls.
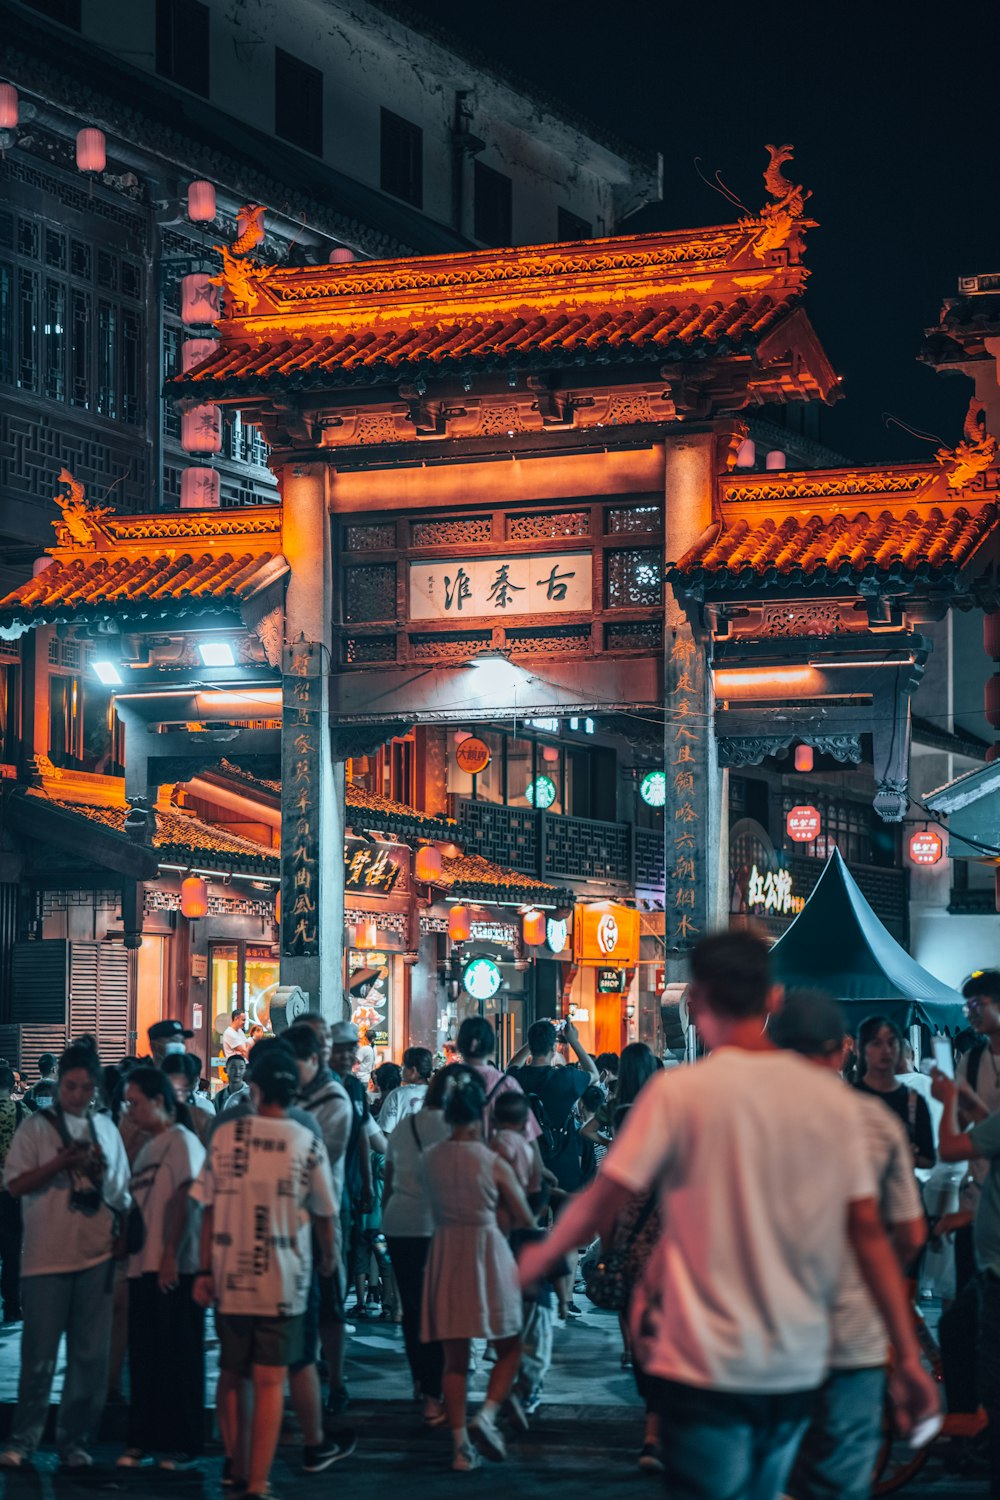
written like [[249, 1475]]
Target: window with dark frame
[[298, 102], [493, 210], [402, 159], [570, 226], [182, 43]]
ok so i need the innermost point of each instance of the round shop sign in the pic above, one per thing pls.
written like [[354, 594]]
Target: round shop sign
[[541, 792], [802, 824], [926, 848], [653, 788], [472, 756], [481, 979], [607, 933], [556, 933]]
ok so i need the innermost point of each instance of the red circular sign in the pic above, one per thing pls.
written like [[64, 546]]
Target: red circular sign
[[926, 848], [802, 824], [472, 756]]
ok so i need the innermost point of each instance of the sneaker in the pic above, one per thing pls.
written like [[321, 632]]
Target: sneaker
[[651, 1458], [532, 1403], [132, 1458], [515, 1412], [77, 1458], [315, 1460], [11, 1458], [572, 1311], [179, 1463], [337, 1401], [487, 1436], [465, 1458], [434, 1412]]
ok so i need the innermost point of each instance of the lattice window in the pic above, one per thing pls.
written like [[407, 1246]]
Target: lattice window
[[629, 519], [370, 592], [550, 524], [506, 835], [634, 635], [376, 537], [449, 645], [548, 638], [450, 533], [33, 448], [369, 648], [53, 652], [649, 860], [580, 848], [634, 579]]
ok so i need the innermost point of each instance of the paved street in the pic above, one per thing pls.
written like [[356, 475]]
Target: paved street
[[583, 1441]]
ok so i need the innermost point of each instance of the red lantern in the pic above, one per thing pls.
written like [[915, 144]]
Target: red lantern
[[775, 459], [533, 928], [199, 299], [366, 934], [459, 924], [991, 635], [802, 824], [91, 152], [199, 489], [427, 865], [340, 255], [992, 751], [926, 848], [193, 351], [194, 898], [201, 429], [201, 202], [8, 107], [746, 454], [277, 908], [992, 701], [803, 757]]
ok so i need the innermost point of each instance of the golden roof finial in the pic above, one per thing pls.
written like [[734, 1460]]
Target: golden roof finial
[[80, 521], [977, 452], [776, 224]]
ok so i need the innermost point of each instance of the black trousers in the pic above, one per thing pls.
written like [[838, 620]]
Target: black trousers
[[10, 1254], [166, 1362], [426, 1361]]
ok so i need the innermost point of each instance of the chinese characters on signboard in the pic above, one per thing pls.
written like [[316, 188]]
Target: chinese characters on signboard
[[772, 891], [499, 586], [301, 730], [685, 807], [374, 869]]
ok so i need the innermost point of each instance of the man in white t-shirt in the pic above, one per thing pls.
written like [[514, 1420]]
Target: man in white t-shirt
[[837, 1455], [234, 1038], [763, 1185], [266, 1189]]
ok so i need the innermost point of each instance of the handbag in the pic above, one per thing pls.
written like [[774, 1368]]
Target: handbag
[[611, 1277]]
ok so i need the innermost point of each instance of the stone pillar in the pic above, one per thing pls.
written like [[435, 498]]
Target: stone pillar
[[696, 811], [312, 783]]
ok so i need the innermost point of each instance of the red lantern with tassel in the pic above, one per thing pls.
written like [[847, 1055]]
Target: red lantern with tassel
[[91, 150], [427, 865], [194, 898], [533, 928], [459, 924]]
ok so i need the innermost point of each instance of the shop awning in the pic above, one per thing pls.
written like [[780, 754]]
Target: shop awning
[[838, 944]]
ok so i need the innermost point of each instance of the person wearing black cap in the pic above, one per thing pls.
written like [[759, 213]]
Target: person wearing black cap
[[266, 1189], [837, 1454], [166, 1037]]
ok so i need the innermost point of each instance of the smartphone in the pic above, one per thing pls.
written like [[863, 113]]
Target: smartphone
[[944, 1058], [926, 1431]]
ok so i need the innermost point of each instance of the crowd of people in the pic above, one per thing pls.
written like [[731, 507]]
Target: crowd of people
[[750, 1219]]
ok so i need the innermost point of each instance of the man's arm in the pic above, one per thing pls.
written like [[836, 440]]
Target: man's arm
[[203, 1290], [323, 1227], [913, 1390], [953, 1143], [519, 1059], [583, 1057], [590, 1214]]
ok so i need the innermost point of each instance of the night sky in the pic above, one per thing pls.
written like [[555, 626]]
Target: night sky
[[895, 118]]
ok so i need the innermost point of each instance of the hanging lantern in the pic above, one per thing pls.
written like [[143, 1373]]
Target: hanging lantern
[[550, 753], [533, 928], [200, 489], [91, 151], [201, 202], [277, 908], [199, 299], [992, 751], [340, 255], [459, 924], [194, 898], [991, 635], [803, 757], [992, 700], [201, 429], [8, 107], [193, 351], [746, 454], [775, 459], [366, 934], [427, 865]]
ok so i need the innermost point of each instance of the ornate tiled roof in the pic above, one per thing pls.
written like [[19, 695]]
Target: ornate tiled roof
[[476, 878], [179, 838], [835, 528], [639, 298], [144, 566], [395, 817]]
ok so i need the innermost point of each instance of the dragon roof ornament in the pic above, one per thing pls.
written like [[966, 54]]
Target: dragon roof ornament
[[241, 275], [976, 453], [778, 224], [81, 523]]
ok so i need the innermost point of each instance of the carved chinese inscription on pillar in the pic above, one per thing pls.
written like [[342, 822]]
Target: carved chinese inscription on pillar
[[686, 806], [301, 731]]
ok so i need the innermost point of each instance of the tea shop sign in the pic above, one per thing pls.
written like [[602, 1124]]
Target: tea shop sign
[[374, 869], [500, 586]]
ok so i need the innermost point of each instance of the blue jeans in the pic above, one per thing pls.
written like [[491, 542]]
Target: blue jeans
[[837, 1456], [727, 1445]]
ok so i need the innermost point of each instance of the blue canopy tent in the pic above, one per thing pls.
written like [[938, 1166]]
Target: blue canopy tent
[[838, 944]]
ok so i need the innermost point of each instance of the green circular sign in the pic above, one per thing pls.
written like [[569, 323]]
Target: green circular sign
[[653, 788], [481, 979], [541, 792]]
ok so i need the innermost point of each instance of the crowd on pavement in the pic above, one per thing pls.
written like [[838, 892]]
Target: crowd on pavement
[[751, 1218]]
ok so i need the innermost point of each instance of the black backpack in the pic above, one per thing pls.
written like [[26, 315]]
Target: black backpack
[[554, 1139]]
